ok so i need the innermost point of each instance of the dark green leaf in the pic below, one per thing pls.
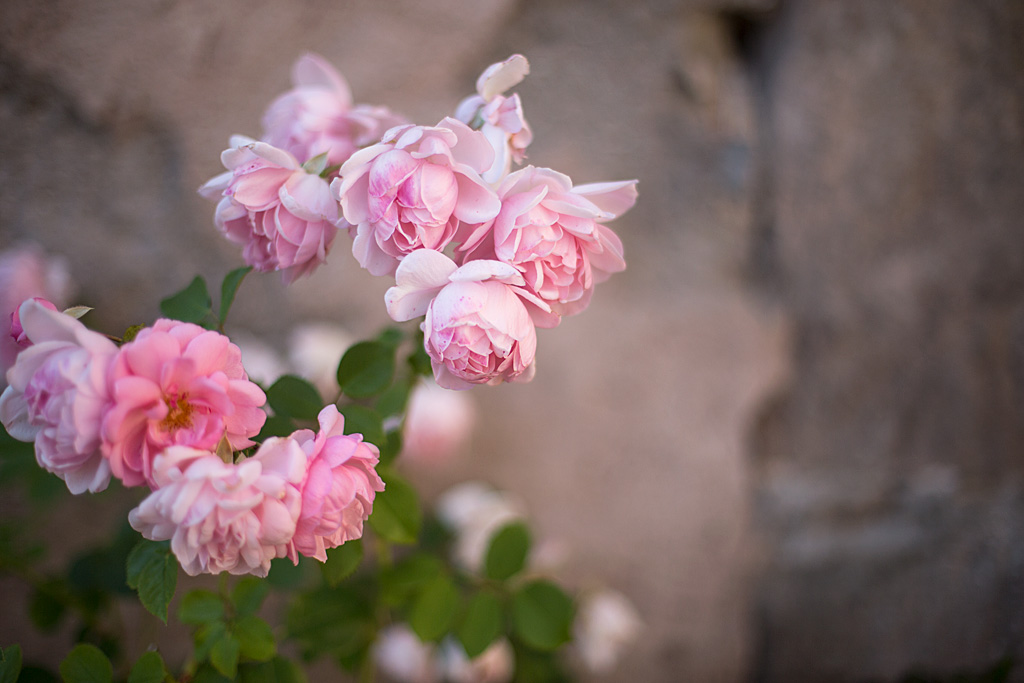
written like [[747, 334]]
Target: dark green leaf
[[284, 574], [538, 667], [542, 615], [153, 572], [396, 515], [224, 655], [46, 606], [419, 360], [394, 399], [10, 664], [248, 595], [206, 636], [506, 555], [149, 669], [190, 305], [391, 447], [255, 639], [481, 623], [86, 664], [363, 420], [207, 674], [400, 582], [366, 369], [277, 670], [292, 396], [276, 426], [435, 608], [200, 607], [391, 337], [229, 288], [342, 561], [333, 621]]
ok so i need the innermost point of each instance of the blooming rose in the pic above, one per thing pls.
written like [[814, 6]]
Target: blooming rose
[[26, 272], [340, 485], [177, 384], [499, 118], [411, 191], [317, 115], [478, 328], [223, 516], [553, 234], [58, 394], [283, 215]]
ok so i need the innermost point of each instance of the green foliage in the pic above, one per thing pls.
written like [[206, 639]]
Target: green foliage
[[190, 305], [400, 583], [433, 612], [228, 290], [200, 607], [248, 595], [277, 670], [337, 622], [366, 369], [224, 654], [153, 572], [362, 420], [86, 664], [506, 555], [10, 664], [542, 615], [294, 397], [342, 561], [481, 624], [396, 513], [149, 668]]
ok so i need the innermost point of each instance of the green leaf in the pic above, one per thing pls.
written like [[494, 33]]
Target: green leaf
[[46, 606], [153, 572], [190, 305], [255, 639], [396, 515], [149, 668], [366, 369], [435, 608], [285, 575], [481, 623], [10, 664], [206, 636], [400, 582], [207, 674], [277, 670], [200, 607], [224, 655], [342, 561], [333, 621], [276, 425], [506, 555], [292, 396], [363, 420], [419, 360], [316, 165], [542, 615], [228, 289], [391, 447], [248, 595], [86, 664]]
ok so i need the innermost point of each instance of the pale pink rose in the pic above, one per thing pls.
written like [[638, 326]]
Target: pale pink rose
[[317, 116], [606, 624], [496, 664], [17, 331], [437, 424], [177, 384], [224, 517], [553, 234], [284, 216], [498, 117], [403, 657], [58, 394], [478, 326], [413, 190], [26, 271], [340, 485]]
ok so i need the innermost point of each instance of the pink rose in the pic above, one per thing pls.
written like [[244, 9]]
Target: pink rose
[[317, 115], [553, 234], [437, 424], [284, 216], [224, 516], [498, 117], [177, 384], [340, 485], [58, 394], [478, 326], [412, 190], [17, 331], [26, 272]]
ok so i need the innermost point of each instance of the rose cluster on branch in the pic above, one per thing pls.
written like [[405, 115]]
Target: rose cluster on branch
[[486, 254]]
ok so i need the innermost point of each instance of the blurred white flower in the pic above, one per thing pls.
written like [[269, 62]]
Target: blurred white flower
[[493, 665], [438, 423], [401, 655], [474, 512], [606, 624], [262, 363], [314, 351]]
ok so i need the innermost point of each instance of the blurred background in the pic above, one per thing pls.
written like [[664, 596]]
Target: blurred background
[[792, 432]]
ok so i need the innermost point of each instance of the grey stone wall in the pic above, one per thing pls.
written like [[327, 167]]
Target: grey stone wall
[[791, 431]]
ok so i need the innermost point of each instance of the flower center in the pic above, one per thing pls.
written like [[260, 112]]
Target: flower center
[[179, 413]]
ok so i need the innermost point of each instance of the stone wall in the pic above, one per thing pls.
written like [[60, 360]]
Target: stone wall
[[791, 431]]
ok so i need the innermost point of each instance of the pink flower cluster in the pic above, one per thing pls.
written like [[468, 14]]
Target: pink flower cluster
[[485, 253], [168, 410]]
